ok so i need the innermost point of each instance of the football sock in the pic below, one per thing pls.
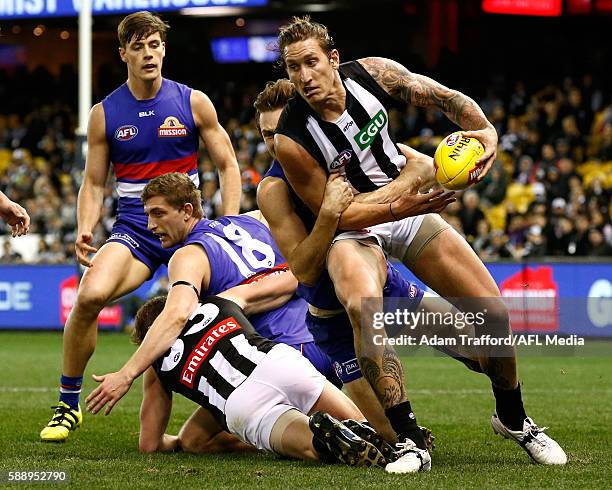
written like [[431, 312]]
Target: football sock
[[509, 407], [70, 390], [404, 423], [325, 455]]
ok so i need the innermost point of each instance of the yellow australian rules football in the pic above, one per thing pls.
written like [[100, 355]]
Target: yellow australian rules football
[[455, 161]]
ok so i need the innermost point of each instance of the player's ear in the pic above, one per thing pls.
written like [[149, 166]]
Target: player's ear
[[163, 49], [122, 54], [188, 208], [334, 58]]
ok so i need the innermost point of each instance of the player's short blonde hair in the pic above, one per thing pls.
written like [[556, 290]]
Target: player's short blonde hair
[[300, 29], [177, 189], [140, 25]]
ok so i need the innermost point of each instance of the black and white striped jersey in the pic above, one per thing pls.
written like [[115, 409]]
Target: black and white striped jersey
[[358, 143], [216, 351]]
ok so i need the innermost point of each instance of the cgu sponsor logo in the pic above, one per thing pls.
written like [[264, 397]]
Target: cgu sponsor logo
[[458, 149], [204, 348], [171, 128], [341, 160], [126, 132], [365, 136]]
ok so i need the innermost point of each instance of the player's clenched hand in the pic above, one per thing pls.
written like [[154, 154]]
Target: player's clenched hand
[[15, 216], [83, 248], [112, 388], [413, 203], [338, 195], [488, 138]]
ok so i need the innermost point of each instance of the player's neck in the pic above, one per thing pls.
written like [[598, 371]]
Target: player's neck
[[334, 104], [144, 89], [190, 225]]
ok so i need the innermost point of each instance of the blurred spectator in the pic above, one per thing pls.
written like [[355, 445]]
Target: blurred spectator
[[426, 142], [471, 213], [493, 189], [597, 246], [9, 256], [498, 247]]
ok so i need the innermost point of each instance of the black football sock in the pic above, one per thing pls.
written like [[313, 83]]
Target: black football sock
[[404, 424], [325, 455], [509, 407]]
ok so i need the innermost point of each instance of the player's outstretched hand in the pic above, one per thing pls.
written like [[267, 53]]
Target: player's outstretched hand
[[16, 216], [112, 388], [83, 248], [413, 203], [488, 138], [338, 195]]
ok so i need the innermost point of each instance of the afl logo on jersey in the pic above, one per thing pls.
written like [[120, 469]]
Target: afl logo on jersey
[[126, 132], [341, 160], [172, 128]]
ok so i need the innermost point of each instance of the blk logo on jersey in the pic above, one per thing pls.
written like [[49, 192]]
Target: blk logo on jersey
[[146, 113], [171, 128], [341, 160], [126, 132], [366, 135]]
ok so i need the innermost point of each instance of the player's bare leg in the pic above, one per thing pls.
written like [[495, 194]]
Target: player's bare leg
[[358, 270], [460, 275], [451, 268], [114, 273], [201, 434]]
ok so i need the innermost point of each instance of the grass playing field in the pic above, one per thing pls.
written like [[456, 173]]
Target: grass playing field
[[573, 395]]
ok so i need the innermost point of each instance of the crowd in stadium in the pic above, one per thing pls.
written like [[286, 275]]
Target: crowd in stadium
[[547, 195]]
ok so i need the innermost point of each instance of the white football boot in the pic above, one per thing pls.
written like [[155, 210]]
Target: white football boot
[[541, 448], [410, 459]]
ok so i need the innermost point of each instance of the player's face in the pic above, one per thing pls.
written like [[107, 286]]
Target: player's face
[[167, 222], [311, 70], [144, 57], [268, 122]]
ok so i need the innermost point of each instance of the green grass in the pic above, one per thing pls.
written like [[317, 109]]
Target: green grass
[[571, 394]]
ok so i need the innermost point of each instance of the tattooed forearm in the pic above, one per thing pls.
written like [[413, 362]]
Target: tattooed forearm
[[422, 91]]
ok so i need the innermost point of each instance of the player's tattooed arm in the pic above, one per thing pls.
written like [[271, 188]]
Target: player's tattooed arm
[[421, 91]]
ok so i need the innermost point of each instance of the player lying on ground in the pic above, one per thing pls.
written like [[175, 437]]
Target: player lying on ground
[[293, 383], [260, 391], [339, 123], [148, 126]]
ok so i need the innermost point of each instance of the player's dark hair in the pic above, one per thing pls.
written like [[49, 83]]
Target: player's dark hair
[[145, 317], [140, 25], [274, 96], [177, 189], [300, 29]]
